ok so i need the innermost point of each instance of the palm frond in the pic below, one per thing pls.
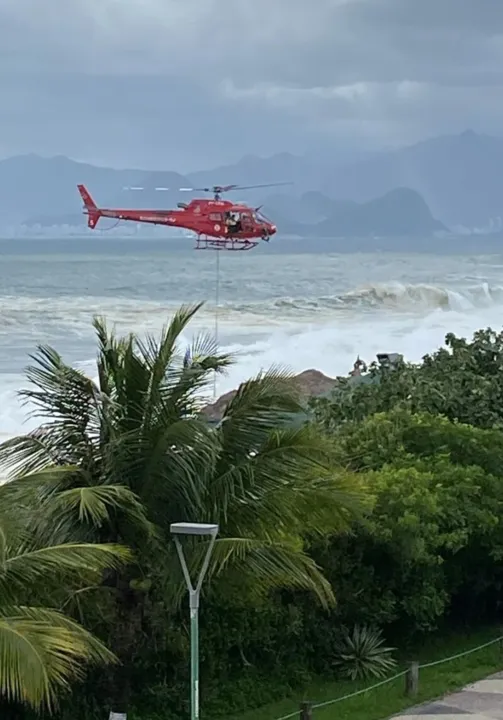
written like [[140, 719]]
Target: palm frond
[[37, 486], [288, 483], [272, 565], [62, 392], [31, 453], [204, 352], [29, 567], [41, 653], [178, 465], [96, 507], [176, 379], [157, 355], [268, 566], [293, 476], [63, 498], [110, 353], [201, 359], [131, 380], [260, 405]]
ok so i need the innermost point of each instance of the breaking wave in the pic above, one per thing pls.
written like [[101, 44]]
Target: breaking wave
[[325, 332], [398, 297], [74, 313], [424, 297]]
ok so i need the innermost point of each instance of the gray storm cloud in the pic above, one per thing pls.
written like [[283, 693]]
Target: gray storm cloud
[[382, 70], [329, 42]]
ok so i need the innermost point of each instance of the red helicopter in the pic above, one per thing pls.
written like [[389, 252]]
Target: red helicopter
[[218, 224]]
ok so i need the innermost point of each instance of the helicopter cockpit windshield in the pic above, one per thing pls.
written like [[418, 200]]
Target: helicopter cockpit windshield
[[260, 217]]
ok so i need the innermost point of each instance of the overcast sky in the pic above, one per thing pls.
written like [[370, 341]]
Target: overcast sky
[[187, 84]]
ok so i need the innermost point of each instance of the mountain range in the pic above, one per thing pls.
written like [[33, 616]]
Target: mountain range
[[444, 182]]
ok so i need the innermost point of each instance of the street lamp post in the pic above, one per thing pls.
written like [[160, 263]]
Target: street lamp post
[[191, 529]]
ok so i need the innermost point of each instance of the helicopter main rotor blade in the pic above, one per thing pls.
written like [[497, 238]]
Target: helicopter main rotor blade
[[205, 189], [217, 189], [143, 189], [227, 188], [251, 187]]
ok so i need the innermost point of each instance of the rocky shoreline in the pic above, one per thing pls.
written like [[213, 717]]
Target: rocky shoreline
[[309, 383]]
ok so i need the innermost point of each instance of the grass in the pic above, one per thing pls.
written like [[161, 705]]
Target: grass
[[390, 698]]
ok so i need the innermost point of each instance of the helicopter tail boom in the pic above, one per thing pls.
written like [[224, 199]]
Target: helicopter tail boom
[[90, 208]]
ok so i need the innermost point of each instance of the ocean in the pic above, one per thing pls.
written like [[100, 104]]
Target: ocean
[[295, 309]]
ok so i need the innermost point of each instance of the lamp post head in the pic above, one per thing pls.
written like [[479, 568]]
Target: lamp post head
[[184, 528]]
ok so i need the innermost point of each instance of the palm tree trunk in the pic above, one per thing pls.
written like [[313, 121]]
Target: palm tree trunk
[[127, 626], [14, 711]]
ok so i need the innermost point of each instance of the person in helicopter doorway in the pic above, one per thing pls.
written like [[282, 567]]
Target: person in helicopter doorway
[[233, 222]]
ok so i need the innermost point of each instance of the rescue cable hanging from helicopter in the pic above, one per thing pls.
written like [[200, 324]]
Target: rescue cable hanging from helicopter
[[218, 224]]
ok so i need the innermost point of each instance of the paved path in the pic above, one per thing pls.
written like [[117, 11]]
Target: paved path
[[482, 700]]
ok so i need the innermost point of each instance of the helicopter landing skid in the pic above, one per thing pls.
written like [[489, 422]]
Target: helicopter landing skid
[[204, 242]]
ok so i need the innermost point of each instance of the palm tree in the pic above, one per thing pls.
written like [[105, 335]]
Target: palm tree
[[133, 454], [41, 649]]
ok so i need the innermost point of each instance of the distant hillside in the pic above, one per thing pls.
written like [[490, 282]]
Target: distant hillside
[[459, 176], [401, 212], [310, 208], [32, 186]]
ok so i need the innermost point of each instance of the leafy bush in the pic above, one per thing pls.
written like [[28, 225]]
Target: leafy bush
[[361, 654], [463, 381]]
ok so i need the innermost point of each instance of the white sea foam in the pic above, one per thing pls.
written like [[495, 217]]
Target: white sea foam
[[413, 329], [325, 332]]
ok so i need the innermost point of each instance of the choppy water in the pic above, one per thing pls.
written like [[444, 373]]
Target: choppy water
[[299, 310]]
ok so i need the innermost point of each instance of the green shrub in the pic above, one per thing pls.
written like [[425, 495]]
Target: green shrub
[[361, 654]]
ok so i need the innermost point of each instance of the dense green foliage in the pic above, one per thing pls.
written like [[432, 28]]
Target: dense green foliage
[[391, 499], [42, 650], [463, 381]]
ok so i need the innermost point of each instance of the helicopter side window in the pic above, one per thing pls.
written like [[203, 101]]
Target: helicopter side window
[[215, 217]]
